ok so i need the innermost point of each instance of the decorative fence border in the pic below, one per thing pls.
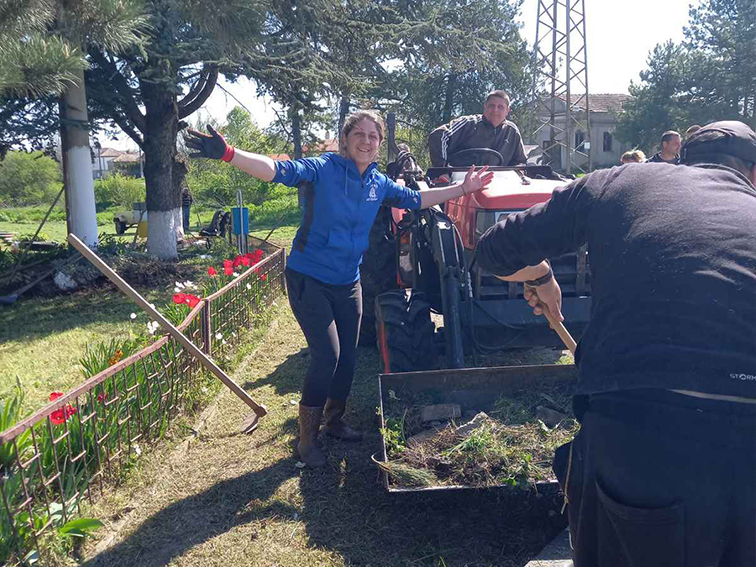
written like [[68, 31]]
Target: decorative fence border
[[85, 440]]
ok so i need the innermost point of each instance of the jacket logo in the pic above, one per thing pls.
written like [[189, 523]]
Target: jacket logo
[[372, 195]]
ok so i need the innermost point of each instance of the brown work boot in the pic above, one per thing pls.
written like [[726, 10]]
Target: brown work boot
[[309, 425], [334, 411]]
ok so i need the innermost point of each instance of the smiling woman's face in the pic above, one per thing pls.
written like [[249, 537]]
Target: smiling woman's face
[[362, 143]]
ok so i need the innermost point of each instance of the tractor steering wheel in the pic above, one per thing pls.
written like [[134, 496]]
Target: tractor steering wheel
[[457, 159]]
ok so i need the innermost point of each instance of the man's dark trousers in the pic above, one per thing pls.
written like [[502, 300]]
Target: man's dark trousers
[[659, 479]]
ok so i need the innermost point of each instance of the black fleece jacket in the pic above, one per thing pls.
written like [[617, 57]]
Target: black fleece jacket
[[672, 252]]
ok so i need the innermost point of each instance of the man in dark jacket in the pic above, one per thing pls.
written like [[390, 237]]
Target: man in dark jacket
[[186, 205], [489, 130], [669, 149], [663, 471]]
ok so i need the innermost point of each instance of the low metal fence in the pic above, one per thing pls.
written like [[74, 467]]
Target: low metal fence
[[85, 440]]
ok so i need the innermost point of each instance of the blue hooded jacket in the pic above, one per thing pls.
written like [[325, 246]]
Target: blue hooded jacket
[[339, 208]]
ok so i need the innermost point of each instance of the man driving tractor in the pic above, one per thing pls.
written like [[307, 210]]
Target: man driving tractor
[[489, 130]]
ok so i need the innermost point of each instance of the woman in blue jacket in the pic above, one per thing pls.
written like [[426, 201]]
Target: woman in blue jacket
[[342, 193]]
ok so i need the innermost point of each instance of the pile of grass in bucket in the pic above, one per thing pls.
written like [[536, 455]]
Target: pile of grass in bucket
[[512, 448]]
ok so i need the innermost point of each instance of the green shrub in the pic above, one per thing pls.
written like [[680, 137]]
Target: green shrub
[[120, 190], [28, 179]]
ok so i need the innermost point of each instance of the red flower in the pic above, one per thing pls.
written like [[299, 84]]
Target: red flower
[[245, 261], [258, 254], [256, 270], [227, 264], [60, 416], [250, 256], [237, 262], [212, 271], [264, 277], [179, 298], [192, 300], [228, 270], [102, 397]]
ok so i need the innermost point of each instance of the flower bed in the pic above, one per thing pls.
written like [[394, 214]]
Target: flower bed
[[84, 440]]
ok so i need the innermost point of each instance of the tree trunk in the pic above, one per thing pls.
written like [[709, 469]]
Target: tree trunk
[[296, 134], [163, 196], [451, 86], [77, 163], [343, 111]]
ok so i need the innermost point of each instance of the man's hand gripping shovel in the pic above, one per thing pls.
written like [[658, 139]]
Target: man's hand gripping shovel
[[555, 324], [250, 424]]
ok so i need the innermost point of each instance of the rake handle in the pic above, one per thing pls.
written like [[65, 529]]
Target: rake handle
[[206, 361]]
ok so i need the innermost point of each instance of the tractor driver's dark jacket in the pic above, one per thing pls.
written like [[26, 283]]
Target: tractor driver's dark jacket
[[656, 158], [673, 274], [476, 132]]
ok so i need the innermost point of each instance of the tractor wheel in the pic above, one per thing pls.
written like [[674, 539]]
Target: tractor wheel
[[405, 332], [377, 273], [120, 227]]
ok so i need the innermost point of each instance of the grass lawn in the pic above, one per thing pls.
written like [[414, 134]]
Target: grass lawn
[[233, 500], [55, 230], [43, 338]]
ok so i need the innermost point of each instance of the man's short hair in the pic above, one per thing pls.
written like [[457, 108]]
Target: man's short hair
[[728, 142], [499, 94], [668, 135]]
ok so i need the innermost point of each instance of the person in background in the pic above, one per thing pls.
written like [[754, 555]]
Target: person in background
[[633, 156], [186, 205], [663, 469], [342, 194], [670, 149]]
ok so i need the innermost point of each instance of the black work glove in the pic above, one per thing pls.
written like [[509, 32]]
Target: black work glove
[[211, 145]]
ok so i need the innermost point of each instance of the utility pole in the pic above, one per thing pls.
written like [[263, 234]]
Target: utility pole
[[560, 85]]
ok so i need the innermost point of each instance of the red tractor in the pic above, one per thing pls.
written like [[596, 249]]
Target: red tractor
[[422, 261]]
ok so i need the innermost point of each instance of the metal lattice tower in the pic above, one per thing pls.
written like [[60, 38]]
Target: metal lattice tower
[[560, 84]]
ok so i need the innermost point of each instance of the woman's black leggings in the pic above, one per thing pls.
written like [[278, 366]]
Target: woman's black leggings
[[329, 316]]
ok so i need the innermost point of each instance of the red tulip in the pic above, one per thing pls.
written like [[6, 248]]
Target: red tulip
[[179, 298], [60, 416], [212, 271], [192, 300]]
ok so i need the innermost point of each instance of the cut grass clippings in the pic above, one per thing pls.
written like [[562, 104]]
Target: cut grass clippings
[[512, 447], [234, 500]]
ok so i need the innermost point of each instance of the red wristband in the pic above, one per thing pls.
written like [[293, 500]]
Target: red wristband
[[229, 153]]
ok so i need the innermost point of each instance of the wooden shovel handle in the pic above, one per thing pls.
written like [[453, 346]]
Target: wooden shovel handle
[[559, 327], [165, 323]]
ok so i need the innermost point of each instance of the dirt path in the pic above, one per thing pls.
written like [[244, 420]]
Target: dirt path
[[233, 500]]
